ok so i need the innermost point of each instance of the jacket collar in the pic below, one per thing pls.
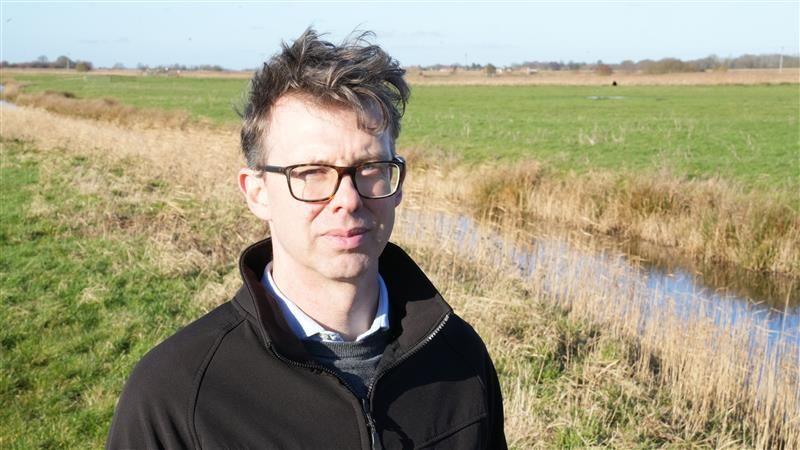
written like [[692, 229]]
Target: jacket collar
[[416, 307]]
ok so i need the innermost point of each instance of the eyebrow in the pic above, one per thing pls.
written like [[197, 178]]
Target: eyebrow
[[354, 163]]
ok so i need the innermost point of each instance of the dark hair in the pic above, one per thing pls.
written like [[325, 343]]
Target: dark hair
[[355, 74]]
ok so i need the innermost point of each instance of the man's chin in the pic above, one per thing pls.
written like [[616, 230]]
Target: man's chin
[[349, 266]]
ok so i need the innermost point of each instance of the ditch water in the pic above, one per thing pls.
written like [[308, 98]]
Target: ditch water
[[727, 297], [3, 103]]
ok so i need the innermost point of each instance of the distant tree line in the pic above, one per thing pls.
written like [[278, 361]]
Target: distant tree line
[[649, 66], [174, 67], [665, 65], [64, 62], [672, 65], [42, 62]]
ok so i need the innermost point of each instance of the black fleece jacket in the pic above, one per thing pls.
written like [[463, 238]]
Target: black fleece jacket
[[239, 378]]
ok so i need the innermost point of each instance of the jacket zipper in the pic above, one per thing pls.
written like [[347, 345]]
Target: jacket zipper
[[367, 402], [373, 435], [409, 354], [370, 422]]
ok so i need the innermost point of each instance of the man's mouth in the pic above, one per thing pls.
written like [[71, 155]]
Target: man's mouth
[[347, 238]]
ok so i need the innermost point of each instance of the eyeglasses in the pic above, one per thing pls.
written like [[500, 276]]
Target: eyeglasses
[[319, 182]]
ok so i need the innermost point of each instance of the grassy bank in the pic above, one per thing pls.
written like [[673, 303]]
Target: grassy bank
[[208, 98], [81, 299], [712, 221], [105, 250]]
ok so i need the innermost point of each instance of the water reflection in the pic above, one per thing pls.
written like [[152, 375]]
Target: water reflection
[[775, 290], [3, 103], [658, 282]]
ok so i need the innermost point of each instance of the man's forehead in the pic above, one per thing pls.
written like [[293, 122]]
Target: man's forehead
[[311, 152], [315, 132], [301, 103]]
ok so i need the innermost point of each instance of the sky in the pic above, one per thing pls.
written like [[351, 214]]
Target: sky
[[241, 35]]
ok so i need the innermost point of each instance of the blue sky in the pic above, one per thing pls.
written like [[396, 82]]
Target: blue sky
[[241, 35]]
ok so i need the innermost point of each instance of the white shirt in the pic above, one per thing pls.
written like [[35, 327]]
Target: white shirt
[[304, 327]]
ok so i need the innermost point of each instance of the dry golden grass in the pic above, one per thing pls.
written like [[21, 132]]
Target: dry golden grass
[[199, 165], [596, 372], [195, 156], [584, 78], [104, 109], [705, 368], [711, 221]]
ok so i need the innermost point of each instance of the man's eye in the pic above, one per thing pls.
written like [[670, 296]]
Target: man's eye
[[370, 172], [311, 172], [373, 171]]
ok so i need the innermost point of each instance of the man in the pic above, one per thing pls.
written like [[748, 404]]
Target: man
[[336, 338]]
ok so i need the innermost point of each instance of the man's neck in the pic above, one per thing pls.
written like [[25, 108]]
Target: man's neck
[[347, 307]]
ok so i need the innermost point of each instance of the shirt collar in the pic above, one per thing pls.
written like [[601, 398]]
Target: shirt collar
[[304, 327]]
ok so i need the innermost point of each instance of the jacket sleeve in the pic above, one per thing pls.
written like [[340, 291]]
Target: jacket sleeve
[[497, 435], [156, 407], [152, 412], [466, 341]]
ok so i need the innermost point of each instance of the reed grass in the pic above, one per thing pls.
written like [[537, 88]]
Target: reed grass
[[106, 109], [717, 374], [712, 221], [583, 359]]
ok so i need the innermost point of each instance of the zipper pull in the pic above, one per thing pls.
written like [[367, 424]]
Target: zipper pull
[[373, 432]]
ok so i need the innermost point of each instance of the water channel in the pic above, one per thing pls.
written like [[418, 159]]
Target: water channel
[[3, 103], [724, 295]]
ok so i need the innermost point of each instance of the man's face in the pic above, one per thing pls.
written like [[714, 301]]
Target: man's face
[[340, 238]]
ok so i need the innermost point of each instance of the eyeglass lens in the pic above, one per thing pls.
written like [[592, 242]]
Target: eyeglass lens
[[373, 180]]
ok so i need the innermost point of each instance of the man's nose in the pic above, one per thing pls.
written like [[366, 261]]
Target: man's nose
[[347, 196]]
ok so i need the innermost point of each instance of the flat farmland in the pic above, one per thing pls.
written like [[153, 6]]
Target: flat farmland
[[748, 134], [744, 133], [115, 233]]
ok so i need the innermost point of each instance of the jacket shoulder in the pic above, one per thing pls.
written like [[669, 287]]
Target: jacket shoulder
[[155, 405], [182, 354], [460, 335], [465, 340]]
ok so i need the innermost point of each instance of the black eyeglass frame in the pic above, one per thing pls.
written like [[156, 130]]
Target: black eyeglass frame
[[341, 171]]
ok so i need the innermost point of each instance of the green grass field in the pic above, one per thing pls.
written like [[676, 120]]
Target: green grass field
[[78, 308], [750, 134], [747, 133]]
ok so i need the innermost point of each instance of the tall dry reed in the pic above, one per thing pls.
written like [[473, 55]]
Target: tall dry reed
[[723, 374], [105, 109], [712, 220]]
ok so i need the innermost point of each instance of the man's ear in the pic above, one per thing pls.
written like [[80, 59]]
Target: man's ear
[[254, 189]]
